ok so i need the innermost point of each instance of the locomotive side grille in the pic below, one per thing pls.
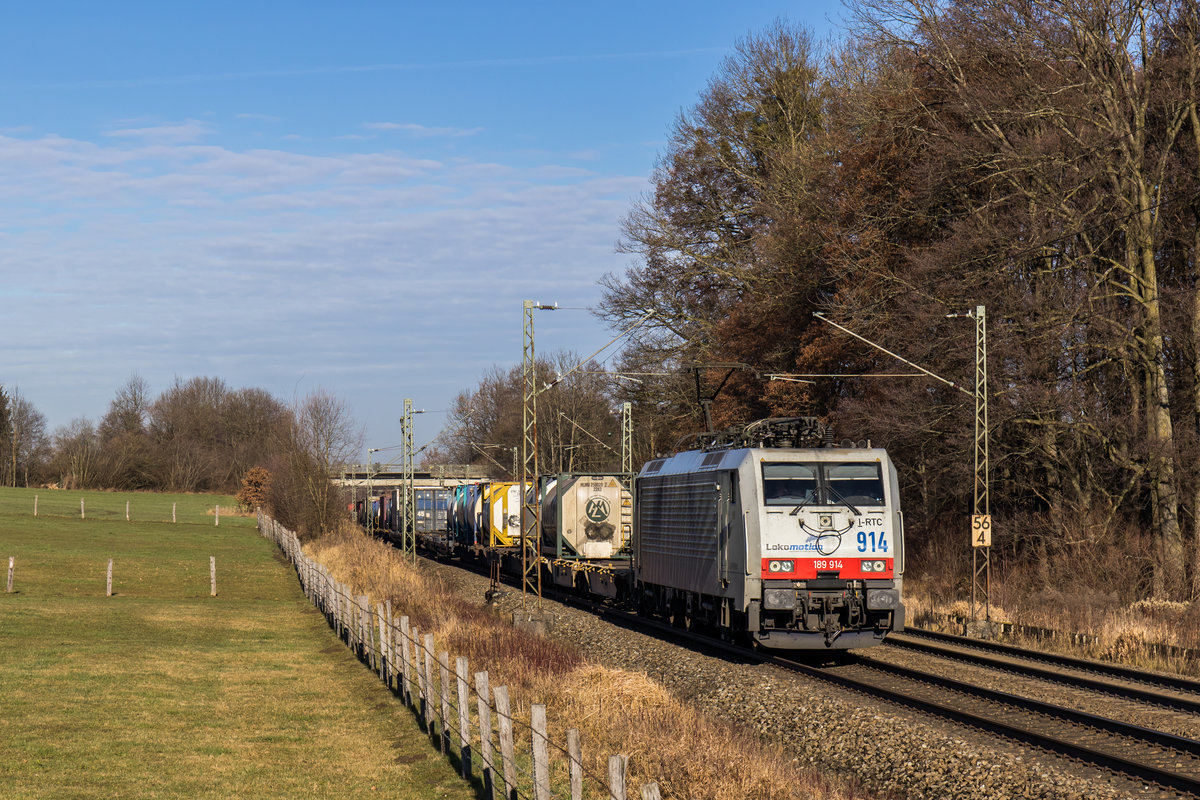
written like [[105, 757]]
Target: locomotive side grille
[[679, 516]]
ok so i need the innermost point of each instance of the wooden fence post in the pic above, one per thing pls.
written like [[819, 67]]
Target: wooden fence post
[[212, 575], [418, 674], [541, 752], [173, 511], [616, 776], [368, 631], [650, 792], [343, 634], [464, 715], [429, 683], [35, 498], [383, 653], [444, 674], [108, 590], [82, 513], [12, 563], [216, 515], [327, 594], [504, 717], [336, 608], [575, 763], [484, 704], [390, 646], [127, 511], [354, 609], [405, 662]]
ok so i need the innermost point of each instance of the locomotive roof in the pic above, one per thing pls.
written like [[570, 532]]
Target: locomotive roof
[[711, 460]]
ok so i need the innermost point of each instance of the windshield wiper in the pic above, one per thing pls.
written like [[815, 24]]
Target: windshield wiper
[[796, 510], [837, 496]]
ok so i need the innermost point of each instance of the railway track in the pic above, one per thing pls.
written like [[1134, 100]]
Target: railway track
[[1163, 759], [1171, 691], [1151, 756], [1144, 754]]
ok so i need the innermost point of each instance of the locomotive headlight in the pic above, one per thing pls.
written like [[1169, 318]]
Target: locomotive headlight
[[781, 566], [773, 566], [779, 599], [871, 566], [882, 599], [880, 566]]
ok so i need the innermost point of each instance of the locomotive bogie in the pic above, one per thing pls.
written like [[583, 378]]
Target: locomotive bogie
[[605, 578]]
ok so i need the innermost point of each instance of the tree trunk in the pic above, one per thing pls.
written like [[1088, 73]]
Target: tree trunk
[[1194, 118]]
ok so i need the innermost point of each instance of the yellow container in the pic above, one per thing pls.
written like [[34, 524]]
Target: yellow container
[[502, 515]]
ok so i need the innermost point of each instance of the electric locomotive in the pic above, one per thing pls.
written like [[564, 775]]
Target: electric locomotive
[[775, 533]]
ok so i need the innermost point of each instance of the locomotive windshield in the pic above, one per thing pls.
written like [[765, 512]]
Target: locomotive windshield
[[792, 484], [789, 484]]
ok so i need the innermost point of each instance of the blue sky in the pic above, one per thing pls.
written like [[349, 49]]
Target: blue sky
[[353, 196]]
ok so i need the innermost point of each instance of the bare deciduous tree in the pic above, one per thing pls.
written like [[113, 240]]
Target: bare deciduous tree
[[320, 438]]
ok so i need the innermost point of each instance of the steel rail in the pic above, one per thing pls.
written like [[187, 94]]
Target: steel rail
[[1111, 761], [1175, 682], [1079, 681], [1129, 730]]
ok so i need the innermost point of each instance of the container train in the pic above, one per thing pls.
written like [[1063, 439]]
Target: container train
[[771, 533]]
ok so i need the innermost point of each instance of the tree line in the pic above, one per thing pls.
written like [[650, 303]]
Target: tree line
[[1040, 159], [198, 435]]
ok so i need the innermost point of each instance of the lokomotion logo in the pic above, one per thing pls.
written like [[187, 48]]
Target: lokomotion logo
[[597, 509]]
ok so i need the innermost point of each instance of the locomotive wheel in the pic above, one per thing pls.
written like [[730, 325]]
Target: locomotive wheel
[[645, 605], [679, 615]]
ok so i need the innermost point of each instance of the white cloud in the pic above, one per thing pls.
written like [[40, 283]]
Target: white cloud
[[167, 133], [421, 130], [164, 256]]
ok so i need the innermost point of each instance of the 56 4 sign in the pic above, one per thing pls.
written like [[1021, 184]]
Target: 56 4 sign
[[981, 530]]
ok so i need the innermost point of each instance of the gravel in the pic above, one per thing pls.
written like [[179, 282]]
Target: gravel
[[890, 750]]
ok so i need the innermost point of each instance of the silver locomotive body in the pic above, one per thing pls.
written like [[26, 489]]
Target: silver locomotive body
[[796, 547]]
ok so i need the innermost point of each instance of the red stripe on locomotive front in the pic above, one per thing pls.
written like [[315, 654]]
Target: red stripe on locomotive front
[[807, 568]]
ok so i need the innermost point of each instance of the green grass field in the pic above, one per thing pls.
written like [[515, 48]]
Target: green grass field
[[164, 691], [185, 509]]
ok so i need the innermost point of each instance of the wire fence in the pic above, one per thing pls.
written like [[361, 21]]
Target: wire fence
[[439, 689], [108, 576], [142, 508]]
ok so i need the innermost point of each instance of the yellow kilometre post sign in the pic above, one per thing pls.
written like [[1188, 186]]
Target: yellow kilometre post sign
[[981, 530]]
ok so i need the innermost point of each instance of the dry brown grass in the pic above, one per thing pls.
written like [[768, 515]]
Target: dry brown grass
[[688, 754], [1123, 632]]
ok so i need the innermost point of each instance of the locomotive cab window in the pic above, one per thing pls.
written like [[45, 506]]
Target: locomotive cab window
[[792, 484], [789, 484], [859, 484]]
